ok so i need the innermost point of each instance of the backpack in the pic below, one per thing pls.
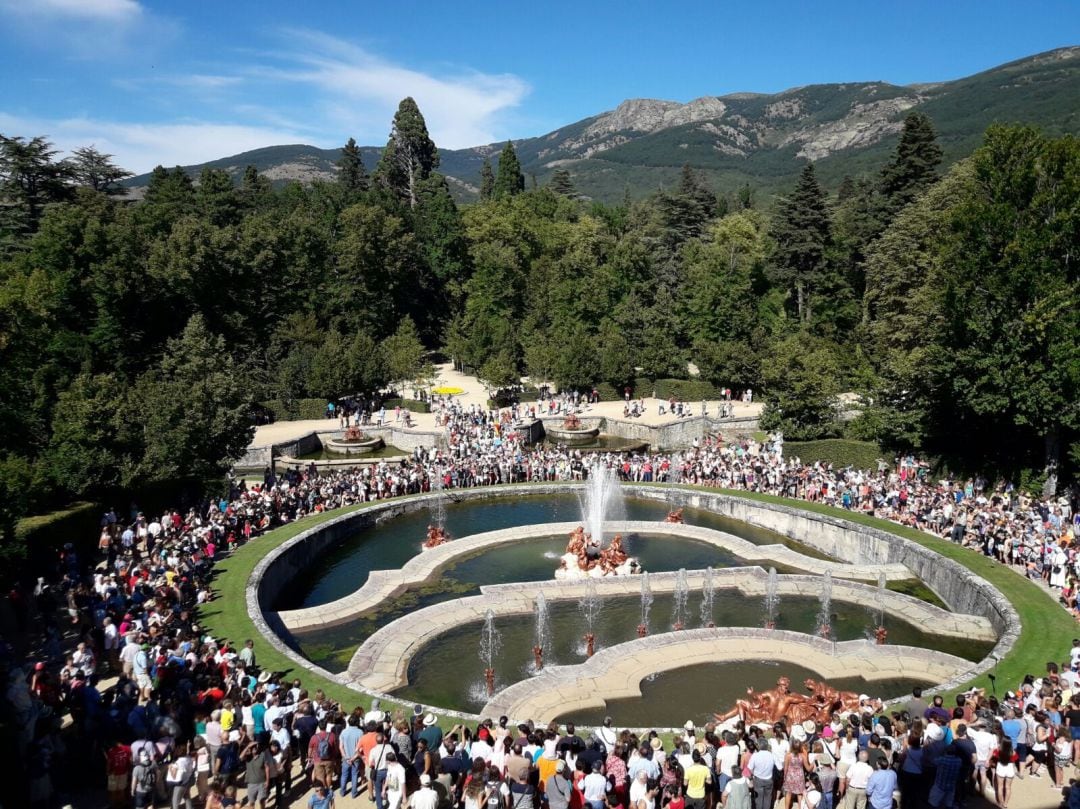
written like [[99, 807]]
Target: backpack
[[323, 749], [148, 778]]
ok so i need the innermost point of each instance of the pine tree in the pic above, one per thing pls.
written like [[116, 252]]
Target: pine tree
[[562, 184], [409, 157], [509, 181], [803, 234], [92, 169], [914, 166], [487, 181], [353, 177]]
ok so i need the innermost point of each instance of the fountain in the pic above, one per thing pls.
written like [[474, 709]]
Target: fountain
[[489, 647], [436, 531], [682, 592], [708, 596], [352, 441], [542, 635], [571, 430], [590, 608], [881, 634], [825, 616], [585, 554], [772, 599], [675, 516], [646, 605]]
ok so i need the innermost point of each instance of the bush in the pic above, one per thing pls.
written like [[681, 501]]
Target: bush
[[640, 387], [411, 405], [43, 535], [686, 390], [840, 452], [296, 409]]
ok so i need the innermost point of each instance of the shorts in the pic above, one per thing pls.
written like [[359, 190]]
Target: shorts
[[1075, 733], [256, 792], [142, 681], [323, 771], [116, 783]]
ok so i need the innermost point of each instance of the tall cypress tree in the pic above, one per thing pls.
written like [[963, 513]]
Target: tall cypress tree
[[803, 234], [353, 177], [509, 181], [487, 180], [914, 166], [562, 184], [410, 155]]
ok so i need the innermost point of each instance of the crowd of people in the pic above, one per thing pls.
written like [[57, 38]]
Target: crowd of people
[[191, 716]]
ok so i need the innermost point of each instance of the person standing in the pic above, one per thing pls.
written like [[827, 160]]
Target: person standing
[[352, 761], [697, 777], [881, 785], [858, 777], [393, 789], [762, 765], [376, 764]]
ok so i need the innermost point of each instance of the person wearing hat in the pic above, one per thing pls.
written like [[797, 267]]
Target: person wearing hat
[[425, 797], [557, 787], [432, 733]]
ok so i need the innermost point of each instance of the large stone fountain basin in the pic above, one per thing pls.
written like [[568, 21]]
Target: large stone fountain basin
[[381, 664], [616, 672], [385, 584]]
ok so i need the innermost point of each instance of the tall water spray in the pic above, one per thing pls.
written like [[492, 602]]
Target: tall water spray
[[772, 599], [708, 596], [602, 494], [590, 609], [825, 616], [490, 641], [646, 605], [882, 586], [440, 501], [682, 592], [542, 630]]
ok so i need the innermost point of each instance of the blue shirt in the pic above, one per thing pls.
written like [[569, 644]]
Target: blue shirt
[[880, 788], [1013, 728], [350, 738]]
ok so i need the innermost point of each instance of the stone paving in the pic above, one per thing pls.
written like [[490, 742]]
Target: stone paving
[[382, 661], [617, 671], [385, 584]]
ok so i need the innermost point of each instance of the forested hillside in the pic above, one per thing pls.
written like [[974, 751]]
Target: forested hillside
[[134, 337]]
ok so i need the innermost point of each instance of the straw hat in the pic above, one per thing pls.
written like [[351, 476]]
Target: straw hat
[[429, 720]]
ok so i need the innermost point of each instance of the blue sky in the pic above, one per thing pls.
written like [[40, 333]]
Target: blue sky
[[191, 80]]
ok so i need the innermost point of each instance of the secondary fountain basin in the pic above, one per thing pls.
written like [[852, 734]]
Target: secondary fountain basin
[[446, 670], [670, 696]]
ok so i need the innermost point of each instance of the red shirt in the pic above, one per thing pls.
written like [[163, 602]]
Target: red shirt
[[118, 760]]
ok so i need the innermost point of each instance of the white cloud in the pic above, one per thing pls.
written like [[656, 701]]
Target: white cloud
[[140, 147], [111, 10], [359, 90]]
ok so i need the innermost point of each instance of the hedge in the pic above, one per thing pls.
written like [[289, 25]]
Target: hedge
[[840, 452], [686, 390], [412, 405], [39, 537], [296, 409]]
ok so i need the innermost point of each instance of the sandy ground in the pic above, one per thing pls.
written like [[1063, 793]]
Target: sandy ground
[[475, 393]]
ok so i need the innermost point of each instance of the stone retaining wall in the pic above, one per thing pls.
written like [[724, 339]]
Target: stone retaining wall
[[384, 584], [617, 672], [382, 661]]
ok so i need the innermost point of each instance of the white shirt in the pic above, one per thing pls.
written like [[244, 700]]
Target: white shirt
[[424, 798], [859, 775]]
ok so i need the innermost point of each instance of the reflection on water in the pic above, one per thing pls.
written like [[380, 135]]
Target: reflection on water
[[344, 568], [695, 692], [443, 672]]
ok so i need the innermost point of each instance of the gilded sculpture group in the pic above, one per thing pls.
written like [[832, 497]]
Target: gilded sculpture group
[[781, 703]]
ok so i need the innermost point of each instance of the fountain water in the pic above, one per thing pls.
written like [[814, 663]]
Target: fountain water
[[590, 608], [436, 530], [602, 494], [682, 592], [881, 633], [825, 616], [772, 599], [708, 596], [646, 605], [490, 641], [542, 635]]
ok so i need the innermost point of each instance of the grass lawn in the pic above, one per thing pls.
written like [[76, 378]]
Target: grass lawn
[[1047, 635]]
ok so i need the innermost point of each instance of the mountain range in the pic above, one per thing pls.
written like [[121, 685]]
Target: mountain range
[[755, 138]]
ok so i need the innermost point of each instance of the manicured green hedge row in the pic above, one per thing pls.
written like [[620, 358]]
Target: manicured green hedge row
[[412, 405], [686, 390], [60, 526], [840, 452], [296, 409]]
